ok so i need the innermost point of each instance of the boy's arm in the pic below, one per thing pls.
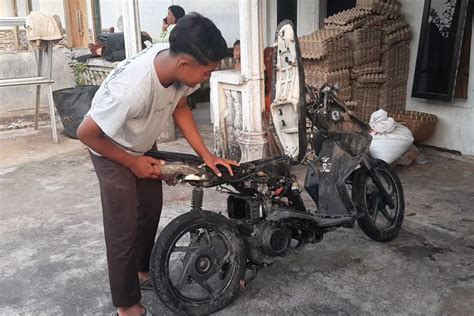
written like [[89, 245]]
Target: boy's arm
[[184, 120], [92, 135]]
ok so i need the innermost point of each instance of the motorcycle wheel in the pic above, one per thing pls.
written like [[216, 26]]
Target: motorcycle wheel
[[379, 221], [197, 263]]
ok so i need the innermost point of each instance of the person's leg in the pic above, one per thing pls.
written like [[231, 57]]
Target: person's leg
[[119, 205], [150, 201]]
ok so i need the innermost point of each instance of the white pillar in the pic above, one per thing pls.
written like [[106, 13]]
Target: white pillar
[[131, 27], [252, 140]]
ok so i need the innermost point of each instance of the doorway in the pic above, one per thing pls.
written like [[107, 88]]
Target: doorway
[[334, 7], [287, 9], [77, 23]]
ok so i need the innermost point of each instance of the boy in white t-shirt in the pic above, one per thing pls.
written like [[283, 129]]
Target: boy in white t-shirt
[[128, 113]]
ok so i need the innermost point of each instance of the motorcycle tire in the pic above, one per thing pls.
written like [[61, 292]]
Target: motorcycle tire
[[211, 236], [369, 202]]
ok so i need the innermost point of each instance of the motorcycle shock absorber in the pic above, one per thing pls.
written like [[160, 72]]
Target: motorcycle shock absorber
[[196, 199]]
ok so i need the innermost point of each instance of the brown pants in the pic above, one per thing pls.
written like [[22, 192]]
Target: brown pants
[[131, 210]]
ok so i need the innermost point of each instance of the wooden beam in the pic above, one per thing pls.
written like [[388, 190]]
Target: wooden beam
[[76, 22], [16, 39], [96, 22]]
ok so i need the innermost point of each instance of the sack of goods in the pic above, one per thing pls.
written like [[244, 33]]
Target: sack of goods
[[389, 138]]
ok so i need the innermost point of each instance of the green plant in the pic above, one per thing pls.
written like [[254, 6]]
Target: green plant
[[78, 69]]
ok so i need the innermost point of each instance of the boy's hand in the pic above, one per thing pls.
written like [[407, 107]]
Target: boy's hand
[[212, 161], [146, 167], [164, 26]]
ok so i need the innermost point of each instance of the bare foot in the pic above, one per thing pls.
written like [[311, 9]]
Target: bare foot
[[142, 276], [96, 49], [134, 310]]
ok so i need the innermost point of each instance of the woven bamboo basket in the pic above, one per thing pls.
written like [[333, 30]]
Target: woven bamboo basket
[[422, 125]]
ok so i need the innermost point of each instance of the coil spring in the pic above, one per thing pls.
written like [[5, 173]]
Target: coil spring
[[196, 199]]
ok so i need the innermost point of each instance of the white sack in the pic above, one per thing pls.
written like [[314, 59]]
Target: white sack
[[389, 138]]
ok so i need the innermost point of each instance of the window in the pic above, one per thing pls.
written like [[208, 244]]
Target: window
[[462, 78], [286, 9], [441, 41], [334, 7]]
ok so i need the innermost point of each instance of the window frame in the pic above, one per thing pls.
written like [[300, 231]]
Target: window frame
[[449, 96]]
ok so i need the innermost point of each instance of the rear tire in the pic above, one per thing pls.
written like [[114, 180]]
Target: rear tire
[[379, 221], [205, 276]]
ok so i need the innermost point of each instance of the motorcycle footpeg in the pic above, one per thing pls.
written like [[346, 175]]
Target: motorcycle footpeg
[[245, 281], [350, 224]]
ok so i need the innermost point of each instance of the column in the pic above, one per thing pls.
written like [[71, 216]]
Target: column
[[252, 140], [131, 27]]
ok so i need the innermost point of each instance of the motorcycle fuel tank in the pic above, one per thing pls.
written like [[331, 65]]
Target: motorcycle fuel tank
[[287, 109]]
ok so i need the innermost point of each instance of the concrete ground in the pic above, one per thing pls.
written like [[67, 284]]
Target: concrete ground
[[53, 257]]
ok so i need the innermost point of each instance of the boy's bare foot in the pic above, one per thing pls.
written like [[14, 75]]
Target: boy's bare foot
[[95, 49], [142, 276], [134, 310]]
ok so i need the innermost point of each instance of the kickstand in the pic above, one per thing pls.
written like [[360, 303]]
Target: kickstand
[[254, 271]]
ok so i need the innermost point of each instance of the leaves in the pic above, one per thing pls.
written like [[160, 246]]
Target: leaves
[[78, 69], [444, 22]]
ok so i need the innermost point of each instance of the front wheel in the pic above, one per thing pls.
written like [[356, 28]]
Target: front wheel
[[197, 263], [379, 221]]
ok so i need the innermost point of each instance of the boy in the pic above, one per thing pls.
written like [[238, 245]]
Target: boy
[[128, 113]]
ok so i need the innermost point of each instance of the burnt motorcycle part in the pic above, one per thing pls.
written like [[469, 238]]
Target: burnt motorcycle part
[[311, 182], [247, 208], [191, 255], [340, 155], [187, 159], [376, 180], [254, 268], [273, 239], [379, 220], [197, 197], [316, 222], [287, 109]]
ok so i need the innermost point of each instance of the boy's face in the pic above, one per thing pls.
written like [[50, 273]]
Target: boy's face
[[191, 73]]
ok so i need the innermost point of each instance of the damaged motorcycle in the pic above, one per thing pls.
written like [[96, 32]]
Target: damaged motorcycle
[[201, 258]]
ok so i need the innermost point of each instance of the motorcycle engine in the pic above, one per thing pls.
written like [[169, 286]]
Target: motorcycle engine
[[273, 240]]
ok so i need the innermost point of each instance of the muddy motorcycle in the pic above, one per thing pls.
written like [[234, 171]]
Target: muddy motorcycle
[[201, 258]]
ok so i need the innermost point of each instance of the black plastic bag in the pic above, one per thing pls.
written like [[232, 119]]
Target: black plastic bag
[[72, 104]]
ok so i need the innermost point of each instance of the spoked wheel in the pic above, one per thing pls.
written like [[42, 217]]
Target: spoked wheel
[[197, 263], [379, 221]]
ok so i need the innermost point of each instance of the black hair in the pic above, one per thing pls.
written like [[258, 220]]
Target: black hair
[[199, 37], [178, 12], [237, 42]]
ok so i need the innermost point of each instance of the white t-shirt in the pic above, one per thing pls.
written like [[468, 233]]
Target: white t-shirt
[[132, 107]]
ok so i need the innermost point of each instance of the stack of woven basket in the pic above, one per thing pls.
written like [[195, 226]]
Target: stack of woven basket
[[368, 56]]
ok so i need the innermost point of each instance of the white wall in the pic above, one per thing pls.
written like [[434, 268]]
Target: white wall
[[152, 13], [308, 17], [110, 11], [224, 13], [455, 129], [50, 7]]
